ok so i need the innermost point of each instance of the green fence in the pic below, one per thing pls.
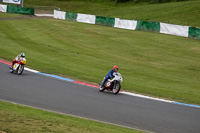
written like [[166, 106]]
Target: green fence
[[148, 26], [71, 16], [105, 21], [20, 10], [194, 32]]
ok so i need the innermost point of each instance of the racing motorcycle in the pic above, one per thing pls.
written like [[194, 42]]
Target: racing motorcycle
[[18, 67], [113, 84]]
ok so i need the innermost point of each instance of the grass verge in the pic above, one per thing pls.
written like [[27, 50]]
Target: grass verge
[[152, 64], [20, 119], [6, 15]]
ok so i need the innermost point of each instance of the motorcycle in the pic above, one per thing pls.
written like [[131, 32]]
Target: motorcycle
[[113, 84], [18, 67]]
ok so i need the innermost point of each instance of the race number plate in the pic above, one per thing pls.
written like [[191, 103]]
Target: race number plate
[[107, 84], [15, 66]]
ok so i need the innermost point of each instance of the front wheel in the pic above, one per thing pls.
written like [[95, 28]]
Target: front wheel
[[10, 69], [101, 88], [20, 69], [116, 88]]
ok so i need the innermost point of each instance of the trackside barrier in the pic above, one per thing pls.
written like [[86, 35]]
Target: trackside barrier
[[85, 18], [17, 10], [194, 32], [3, 8], [59, 15], [125, 24], [148, 26], [105, 21], [71, 16], [178, 30], [20, 10], [171, 29]]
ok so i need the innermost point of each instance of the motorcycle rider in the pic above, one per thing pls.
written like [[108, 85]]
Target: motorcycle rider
[[18, 58], [109, 75]]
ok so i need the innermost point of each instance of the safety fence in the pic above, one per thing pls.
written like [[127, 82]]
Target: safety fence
[[171, 29], [16, 9]]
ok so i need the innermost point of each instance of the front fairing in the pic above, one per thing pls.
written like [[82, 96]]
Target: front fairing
[[117, 77], [15, 66]]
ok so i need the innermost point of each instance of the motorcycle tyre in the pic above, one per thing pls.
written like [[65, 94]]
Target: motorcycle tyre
[[18, 70], [117, 90]]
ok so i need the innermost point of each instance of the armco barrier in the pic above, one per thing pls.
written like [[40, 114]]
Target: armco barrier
[[177, 30], [125, 24], [3, 8], [105, 21], [71, 16], [148, 26], [85, 18], [194, 32], [170, 29], [20, 10], [59, 14]]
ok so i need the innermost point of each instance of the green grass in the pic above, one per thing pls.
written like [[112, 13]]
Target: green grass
[[21, 119], [6, 15], [152, 64], [181, 13]]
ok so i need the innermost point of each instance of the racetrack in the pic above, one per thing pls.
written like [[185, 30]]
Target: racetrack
[[66, 97]]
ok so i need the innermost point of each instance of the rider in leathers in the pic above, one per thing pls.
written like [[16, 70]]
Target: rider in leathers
[[109, 75], [18, 58]]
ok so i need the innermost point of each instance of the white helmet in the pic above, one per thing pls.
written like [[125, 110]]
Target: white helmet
[[23, 55]]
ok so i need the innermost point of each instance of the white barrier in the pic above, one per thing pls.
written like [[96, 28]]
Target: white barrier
[[59, 14], [85, 18], [3, 8], [125, 24], [171, 29], [165, 28]]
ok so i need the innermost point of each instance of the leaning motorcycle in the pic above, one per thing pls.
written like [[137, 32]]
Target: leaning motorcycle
[[113, 84], [18, 67]]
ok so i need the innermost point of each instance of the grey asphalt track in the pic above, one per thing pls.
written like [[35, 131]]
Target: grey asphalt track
[[66, 97]]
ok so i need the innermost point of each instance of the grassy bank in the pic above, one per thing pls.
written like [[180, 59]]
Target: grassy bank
[[150, 63], [182, 13], [6, 15], [19, 119]]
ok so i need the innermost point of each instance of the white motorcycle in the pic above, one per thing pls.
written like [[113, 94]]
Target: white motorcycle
[[18, 67], [113, 84]]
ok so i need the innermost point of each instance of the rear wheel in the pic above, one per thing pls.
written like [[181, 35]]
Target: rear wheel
[[116, 88], [20, 69]]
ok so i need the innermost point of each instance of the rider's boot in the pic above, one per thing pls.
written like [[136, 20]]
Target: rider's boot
[[102, 84]]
